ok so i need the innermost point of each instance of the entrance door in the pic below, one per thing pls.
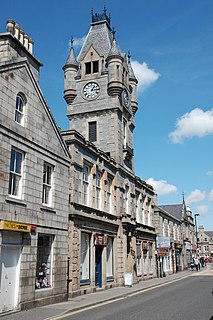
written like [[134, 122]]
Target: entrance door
[[9, 277], [98, 266]]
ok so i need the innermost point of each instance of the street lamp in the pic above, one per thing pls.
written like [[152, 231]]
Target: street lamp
[[196, 215]]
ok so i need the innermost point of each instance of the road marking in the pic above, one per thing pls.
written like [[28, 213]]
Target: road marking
[[156, 286], [64, 315], [208, 272]]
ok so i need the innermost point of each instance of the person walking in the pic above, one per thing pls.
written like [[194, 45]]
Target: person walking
[[196, 261]]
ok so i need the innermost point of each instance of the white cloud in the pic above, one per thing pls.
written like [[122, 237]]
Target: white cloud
[[195, 196], [210, 195], [144, 75], [78, 42], [197, 123], [161, 186], [202, 209], [209, 173]]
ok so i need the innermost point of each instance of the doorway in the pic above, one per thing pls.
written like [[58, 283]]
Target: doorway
[[98, 266], [9, 277]]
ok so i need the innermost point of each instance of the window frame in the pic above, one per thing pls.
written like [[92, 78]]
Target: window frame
[[98, 179], [85, 183], [47, 184], [110, 258], [19, 109], [43, 278], [87, 269], [92, 131], [16, 175], [92, 67]]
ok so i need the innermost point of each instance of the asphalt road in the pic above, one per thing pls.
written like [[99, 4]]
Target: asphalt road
[[187, 299]]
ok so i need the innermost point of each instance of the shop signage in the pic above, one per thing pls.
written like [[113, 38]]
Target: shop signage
[[188, 245], [128, 279], [100, 240], [14, 226], [163, 242], [163, 251], [145, 246]]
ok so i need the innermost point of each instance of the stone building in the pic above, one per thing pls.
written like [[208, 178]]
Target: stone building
[[205, 243], [111, 219], [34, 169], [175, 222]]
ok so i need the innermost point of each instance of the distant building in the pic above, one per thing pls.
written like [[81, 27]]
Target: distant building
[[205, 243], [174, 223]]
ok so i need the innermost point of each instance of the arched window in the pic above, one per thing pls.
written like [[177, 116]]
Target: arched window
[[19, 113]]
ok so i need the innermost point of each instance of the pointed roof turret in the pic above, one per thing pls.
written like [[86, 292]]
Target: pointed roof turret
[[71, 60], [131, 72], [114, 50], [99, 35]]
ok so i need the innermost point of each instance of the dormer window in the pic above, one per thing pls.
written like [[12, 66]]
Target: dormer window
[[91, 67], [19, 112]]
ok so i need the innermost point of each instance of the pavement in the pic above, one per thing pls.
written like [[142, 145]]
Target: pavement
[[56, 311]]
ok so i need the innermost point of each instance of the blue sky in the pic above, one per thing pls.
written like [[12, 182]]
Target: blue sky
[[171, 46]]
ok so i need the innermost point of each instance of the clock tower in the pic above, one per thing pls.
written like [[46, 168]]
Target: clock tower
[[100, 90]]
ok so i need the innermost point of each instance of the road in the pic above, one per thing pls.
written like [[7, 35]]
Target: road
[[187, 299]]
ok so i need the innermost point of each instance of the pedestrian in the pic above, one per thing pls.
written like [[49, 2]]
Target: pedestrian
[[196, 263], [192, 264]]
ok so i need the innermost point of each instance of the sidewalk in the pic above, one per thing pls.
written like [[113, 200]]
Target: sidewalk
[[51, 311]]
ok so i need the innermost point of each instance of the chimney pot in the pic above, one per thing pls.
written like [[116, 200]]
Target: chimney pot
[[10, 26], [17, 30], [21, 36], [31, 42], [26, 41]]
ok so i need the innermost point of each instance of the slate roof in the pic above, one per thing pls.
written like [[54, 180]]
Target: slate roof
[[175, 210], [100, 36], [209, 233]]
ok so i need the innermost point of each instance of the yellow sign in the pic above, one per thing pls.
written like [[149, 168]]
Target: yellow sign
[[14, 226]]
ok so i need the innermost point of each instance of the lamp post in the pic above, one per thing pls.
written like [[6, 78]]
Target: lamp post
[[196, 215]]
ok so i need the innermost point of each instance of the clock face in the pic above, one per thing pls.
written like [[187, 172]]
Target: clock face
[[91, 90], [125, 98]]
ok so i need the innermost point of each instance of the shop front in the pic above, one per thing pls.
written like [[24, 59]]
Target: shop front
[[11, 245]]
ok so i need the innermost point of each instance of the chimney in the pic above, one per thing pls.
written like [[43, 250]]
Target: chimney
[[19, 34]]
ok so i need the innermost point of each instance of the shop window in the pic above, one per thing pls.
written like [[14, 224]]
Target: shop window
[[15, 179], [44, 261], [145, 262], [19, 112], [109, 258], [47, 184], [138, 258], [85, 257], [150, 259]]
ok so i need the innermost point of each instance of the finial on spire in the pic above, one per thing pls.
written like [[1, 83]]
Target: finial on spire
[[113, 33], [183, 197], [129, 57], [105, 9], [71, 41], [92, 12]]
